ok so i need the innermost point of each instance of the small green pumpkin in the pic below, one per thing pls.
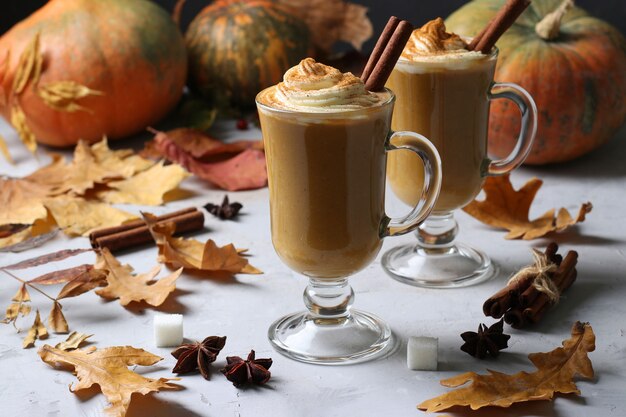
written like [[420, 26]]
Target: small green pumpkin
[[239, 47], [572, 64]]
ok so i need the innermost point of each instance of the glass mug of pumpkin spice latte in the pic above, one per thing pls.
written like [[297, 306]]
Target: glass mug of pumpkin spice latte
[[443, 91], [326, 141]]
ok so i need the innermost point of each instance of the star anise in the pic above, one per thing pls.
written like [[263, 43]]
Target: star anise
[[487, 340], [240, 372], [225, 211], [198, 355]]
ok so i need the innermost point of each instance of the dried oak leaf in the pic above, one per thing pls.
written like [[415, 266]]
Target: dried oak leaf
[[330, 21], [37, 331], [506, 208], [146, 188], [73, 341], [78, 217], [122, 284], [108, 368], [213, 161], [555, 373], [195, 255]]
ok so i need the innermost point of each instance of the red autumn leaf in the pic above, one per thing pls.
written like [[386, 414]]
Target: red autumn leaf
[[245, 171]]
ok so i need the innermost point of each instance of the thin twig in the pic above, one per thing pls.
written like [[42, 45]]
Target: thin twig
[[29, 284]]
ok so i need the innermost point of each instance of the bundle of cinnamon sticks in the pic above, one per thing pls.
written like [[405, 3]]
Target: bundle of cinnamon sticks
[[136, 233], [523, 301]]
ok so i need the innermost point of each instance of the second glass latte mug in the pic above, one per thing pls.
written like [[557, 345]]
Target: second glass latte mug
[[327, 192], [447, 99]]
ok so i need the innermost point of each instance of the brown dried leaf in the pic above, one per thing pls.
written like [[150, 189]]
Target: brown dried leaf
[[146, 188], [47, 258], [195, 255], [122, 284], [330, 21], [200, 144], [20, 201], [4, 149], [4, 66], [37, 331], [78, 217], [506, 208], [85, 282], [73, 341], [28, 67], [14, 310], [56, 319], [63, 95], [108, 368], [22, 295], [555, 373], [244, 171], [19, 122], [61, 276], [29, 238], [123, 162]]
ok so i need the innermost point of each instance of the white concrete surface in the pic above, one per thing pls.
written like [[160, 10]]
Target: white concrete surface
[[242, 309]]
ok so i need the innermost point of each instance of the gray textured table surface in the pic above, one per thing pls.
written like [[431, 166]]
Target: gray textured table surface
[[243, 308]]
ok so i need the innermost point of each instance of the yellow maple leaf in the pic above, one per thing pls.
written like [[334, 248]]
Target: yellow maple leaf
[[78, 217], [506, 208], [193, 254], [555, 373], [124, 162], [122, 284], [146, 188], [108, 368]]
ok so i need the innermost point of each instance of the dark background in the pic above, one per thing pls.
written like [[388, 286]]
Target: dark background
[[417, 11]]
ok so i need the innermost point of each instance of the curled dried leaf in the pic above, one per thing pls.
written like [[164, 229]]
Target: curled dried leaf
[[330, 21], [507, 208], [37, 331], [22, 295], [555, 374], [18, 120], [47, 258], [56, 319], [108, 369], [73, 341], [4, 149], [14, 310], [63, 95], [29, 66]]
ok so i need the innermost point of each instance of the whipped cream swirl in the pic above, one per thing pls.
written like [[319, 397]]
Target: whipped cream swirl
[[432, 38], [314, 87]]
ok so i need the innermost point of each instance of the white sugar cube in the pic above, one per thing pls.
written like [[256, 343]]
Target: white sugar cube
[[168, 330], [421, 353]]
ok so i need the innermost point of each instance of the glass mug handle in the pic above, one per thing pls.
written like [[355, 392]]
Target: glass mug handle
[[432, 183], [528, 108]]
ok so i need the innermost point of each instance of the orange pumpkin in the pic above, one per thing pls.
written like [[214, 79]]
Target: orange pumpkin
[[238, 47], [109, 67], [572, 64]]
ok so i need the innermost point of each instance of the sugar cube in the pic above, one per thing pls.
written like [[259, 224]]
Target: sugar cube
[[168, 330], [421, 353]]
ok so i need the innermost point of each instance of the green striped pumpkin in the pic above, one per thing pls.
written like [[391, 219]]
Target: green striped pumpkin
[[238, 47]]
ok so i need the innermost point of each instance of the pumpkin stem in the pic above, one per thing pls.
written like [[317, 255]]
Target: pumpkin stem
[[549, 27], [178, 10]]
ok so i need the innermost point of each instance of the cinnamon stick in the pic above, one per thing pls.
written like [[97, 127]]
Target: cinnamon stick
[[477, 38], [506, 16], [136, 223], [118, 238], [380, 46], [390, 55], [529, 295], [515, 318]]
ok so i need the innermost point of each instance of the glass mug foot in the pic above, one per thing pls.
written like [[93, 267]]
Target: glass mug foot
[[451, 267], [356, 338]]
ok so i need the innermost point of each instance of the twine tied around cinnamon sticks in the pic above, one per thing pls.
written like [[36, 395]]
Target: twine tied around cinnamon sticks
[[533, 290], [541, 281]]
